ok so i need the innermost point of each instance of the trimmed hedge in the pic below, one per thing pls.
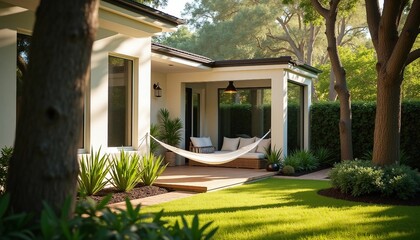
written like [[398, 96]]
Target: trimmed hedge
[[325, 132]]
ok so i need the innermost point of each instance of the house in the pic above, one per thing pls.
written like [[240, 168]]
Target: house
[[120, 103]]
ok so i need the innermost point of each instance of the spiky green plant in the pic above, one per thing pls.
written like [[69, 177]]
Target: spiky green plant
[[154, 131], [273, 155], [93, 171], [170, 129], [151, 168], [125, 171]]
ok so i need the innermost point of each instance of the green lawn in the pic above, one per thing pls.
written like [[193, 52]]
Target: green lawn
[[291, 209]]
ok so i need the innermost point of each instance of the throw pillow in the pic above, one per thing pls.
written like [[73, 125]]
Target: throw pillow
[[230, 144], [264, 144], [245, 142]]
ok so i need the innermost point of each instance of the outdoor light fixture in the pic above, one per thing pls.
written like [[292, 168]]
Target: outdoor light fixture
[[230, 88], [158, 90]]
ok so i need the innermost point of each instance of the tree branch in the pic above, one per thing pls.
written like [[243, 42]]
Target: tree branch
[[412, 56], [373, 18], [319, 8]]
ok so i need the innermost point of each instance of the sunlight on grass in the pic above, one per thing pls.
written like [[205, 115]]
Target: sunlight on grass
[[291, 209]]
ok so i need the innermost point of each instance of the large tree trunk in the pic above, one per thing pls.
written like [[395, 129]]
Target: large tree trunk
[[44, 165], [340, 86], [387, 123], [393, 48]]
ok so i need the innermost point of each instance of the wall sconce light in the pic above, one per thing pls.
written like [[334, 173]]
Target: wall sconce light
[[230, 88], [157, 90]]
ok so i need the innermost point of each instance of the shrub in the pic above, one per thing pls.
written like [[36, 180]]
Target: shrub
[[324, 157], [302, 160], [400, 181], [151, 167], [6, 155], [125, 171], [360, 177], [93, 171], [96, 221], [288, 170]]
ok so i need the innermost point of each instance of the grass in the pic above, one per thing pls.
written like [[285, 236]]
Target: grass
[[291, 209]]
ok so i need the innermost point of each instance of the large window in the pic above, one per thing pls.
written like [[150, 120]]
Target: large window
[[246, 113], [120, 100], [294, 117]]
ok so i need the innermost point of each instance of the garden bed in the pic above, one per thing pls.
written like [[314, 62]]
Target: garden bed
[[140, 191]]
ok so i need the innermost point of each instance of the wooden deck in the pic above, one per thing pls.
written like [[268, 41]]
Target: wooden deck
[[204, 179]]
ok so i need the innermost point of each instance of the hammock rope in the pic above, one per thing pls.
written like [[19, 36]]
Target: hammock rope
[[212, 158]]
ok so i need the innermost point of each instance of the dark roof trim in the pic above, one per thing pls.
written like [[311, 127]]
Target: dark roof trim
[[169, 51], [147, 11], [173, 52]]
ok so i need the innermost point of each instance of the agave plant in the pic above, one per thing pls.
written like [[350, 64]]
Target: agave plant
[[125, 171], [151, 168], [93, 171]]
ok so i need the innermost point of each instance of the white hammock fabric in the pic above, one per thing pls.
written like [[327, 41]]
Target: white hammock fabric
[[211, 158]]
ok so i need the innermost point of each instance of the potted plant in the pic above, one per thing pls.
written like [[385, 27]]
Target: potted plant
[[274, 158], [170, 133]]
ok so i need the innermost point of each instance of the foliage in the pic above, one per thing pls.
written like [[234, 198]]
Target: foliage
[[154, 131], [324, 157], [288, 170], [6, 155], [274, 209], [153, 3], [125, 171], [93, 171], [325, 132], [97, 221], [273, 155], [359, 177], [302, 160], [151, 167], [170, 129], [359, 63]]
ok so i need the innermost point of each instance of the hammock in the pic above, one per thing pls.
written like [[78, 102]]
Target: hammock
[[211, 158]]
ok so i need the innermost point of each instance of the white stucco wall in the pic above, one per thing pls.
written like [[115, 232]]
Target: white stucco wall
[[139, 51]]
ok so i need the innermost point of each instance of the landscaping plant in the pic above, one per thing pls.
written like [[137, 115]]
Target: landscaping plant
[[324, 157], [125, 171], [288, 170], [93, 171], [6, 154], [359, 177], [151, 167], [97, 221], [302, 160]]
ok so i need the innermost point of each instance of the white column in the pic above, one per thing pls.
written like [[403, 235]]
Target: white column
[[7, 86], [279, 112]]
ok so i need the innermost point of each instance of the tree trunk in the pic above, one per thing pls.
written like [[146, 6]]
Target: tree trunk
[[332, 94], [387, 123], [340, 86], [44, 165]]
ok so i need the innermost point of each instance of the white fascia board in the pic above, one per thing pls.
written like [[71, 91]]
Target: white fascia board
[[153, 25], [251, 68], [168, 59], [300, 72]]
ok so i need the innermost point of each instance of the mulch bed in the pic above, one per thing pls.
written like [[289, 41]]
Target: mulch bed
[[137, 192], [377, 199]]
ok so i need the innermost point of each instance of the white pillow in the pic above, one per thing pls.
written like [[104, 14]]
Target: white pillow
[[264, 144], [201, 141], [245, 141], [230, 144]]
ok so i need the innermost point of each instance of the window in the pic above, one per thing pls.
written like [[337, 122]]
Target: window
[[246, 113], [120, 101]]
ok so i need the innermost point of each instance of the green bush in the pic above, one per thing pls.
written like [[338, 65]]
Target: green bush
[[288, 170], [324, 157], [151, 167], [325, 133], [93, 171], [96, 221], [359, 177], [273, 155], [6, 155], [302, 161], [125, 171]]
